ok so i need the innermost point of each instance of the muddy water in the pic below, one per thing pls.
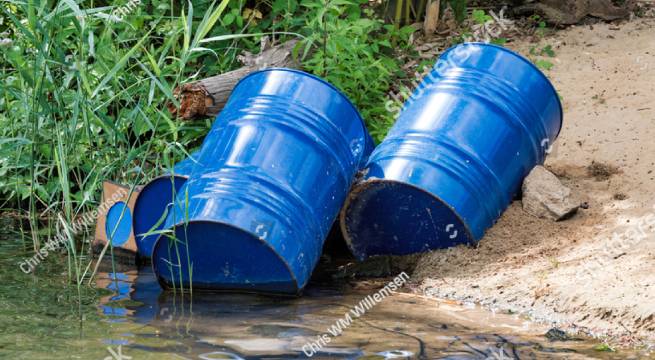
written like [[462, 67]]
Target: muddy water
[[127, 316], [402, 326]]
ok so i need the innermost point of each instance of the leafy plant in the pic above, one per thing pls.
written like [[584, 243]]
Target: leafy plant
[[480, 16], [541, 28], [546, 51], [459, 8], [82, 99], [499, 41], [544, 64], [353, 50], [604, 347]]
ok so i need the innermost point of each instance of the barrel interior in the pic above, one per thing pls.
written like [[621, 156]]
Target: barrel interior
[[390, 217], [220, 257], [153, 201]]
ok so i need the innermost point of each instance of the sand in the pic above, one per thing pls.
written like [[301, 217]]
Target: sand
[[593, 273]]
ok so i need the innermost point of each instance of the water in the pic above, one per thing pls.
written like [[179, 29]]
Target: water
[[129, 317]]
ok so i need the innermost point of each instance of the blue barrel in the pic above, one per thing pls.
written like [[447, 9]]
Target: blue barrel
[[154, 200], [455, 158], [277, 166], [118, 224]]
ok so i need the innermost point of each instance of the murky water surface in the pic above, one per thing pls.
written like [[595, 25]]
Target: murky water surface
[[42, 316]]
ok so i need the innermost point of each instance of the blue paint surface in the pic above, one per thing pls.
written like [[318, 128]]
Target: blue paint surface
[[278, 164], [154, 202], [457, 155], [118, 225]]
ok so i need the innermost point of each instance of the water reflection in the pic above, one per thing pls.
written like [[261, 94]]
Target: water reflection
[[231, 326]]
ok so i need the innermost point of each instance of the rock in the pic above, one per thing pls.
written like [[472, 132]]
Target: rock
[[544, 196], [556, 334]]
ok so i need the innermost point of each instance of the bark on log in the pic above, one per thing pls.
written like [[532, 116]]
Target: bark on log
[[431, 17], [206, 97], [572, 11]]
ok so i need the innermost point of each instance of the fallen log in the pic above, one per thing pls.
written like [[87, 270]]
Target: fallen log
[[206, 97], [569, 12]]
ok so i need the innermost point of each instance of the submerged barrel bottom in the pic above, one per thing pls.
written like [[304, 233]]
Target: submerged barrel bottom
[[384, 217], [220, 257], [153, 202]]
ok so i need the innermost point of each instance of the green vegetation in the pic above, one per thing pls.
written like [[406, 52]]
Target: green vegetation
[[604, 347], [353, 50], [540, 25], [82, 99], [480, 16], [406, 12], [539, 56], [85, 84]]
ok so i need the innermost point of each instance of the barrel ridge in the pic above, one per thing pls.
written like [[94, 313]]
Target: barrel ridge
[[454, 163], [513, 104], [315, 127], [264, 191], [542, 77]]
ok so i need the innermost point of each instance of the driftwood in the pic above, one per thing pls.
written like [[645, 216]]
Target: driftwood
[[206, 97], [431, 17]]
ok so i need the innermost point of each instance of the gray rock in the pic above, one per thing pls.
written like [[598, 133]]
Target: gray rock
[[544, 196], [556, 334]]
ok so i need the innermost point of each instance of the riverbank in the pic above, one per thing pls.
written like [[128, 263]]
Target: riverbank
[[594, 273]]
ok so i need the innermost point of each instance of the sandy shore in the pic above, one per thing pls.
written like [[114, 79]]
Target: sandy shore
[[594, 273]]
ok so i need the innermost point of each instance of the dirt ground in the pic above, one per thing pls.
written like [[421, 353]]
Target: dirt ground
[[593, 273]]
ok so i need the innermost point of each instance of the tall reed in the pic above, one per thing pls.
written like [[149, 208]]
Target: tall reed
[[82, 100]]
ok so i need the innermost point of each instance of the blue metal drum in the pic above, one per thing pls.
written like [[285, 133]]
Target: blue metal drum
[[277, 166], [118, 224], [462, 144], [155, 199]]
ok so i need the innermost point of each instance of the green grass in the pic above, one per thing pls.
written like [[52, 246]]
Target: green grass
[[83, 93], [354, 50], [83, 100], [82, 96]]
